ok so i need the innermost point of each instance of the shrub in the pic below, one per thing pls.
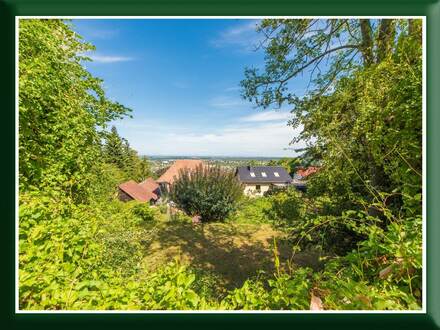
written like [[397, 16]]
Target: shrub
[[287, 206], [382, 265], [144, 212], [58, 249], [210, 192], [385, 272], [173, 287], [122, 249], [283, 291]]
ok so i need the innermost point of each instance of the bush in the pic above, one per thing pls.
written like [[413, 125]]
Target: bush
[[252, 210], [384, 273], [380, 266], [144, 212], [287, 206], [58, 249], [282, 292], [209, 192]]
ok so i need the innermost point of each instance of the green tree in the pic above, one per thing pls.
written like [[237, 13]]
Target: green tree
[[114, 149], [361, 116], [117, 151], [62, 110], [144, 169], [209, 192]]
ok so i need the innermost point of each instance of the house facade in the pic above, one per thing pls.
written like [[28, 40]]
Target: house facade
[[259, 179]]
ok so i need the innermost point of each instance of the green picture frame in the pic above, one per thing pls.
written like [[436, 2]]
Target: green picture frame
[[9, 10]]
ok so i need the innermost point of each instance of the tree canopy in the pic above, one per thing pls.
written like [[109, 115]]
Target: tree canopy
[[362, 114]]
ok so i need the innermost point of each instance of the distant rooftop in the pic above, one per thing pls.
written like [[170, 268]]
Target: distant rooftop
[[263, 174], [173, 172]]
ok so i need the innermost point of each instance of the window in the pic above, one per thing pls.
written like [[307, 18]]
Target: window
[[263, 174], [258, 187], [276, 174], [253, 174]]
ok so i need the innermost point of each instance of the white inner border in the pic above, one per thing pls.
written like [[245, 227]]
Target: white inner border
[[422, 311]]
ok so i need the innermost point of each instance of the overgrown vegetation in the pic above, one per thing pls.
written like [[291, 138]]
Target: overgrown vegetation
[[362, 120], [79, 248]]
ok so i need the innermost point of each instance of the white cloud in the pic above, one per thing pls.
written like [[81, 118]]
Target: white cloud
[[245, 139], [109, 59], [241, 36], [265, 116]]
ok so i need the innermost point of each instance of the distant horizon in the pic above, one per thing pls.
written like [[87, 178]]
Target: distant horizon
[[214, 156]]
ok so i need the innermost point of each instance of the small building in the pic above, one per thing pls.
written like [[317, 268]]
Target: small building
[[259, 179], [131, 190], [172, 173]]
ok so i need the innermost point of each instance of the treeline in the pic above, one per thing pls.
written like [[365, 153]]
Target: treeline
[[117, 151]]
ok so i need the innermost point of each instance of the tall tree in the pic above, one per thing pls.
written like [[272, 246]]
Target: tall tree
[[114, 149], [62, 109], [117, 151]]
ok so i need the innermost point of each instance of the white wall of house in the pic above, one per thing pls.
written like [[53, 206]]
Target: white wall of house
[[250, 189], [280, 184], [255, 190]]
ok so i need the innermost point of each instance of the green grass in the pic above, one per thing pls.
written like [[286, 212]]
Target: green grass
[[229, 252]]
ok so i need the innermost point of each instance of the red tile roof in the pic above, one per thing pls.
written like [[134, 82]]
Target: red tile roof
[[137, 192], [305, 172], [173, 172], [149, 184]]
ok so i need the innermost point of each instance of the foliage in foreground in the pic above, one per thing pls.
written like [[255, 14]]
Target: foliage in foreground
[[78, 250], [209, 192], [73, 257]]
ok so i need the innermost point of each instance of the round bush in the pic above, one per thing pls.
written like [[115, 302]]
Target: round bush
[[209, 192]]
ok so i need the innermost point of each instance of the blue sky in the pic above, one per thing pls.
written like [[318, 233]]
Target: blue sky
[[181, 79]]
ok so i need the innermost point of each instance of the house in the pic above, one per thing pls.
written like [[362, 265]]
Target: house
[[259, 179], [172, 173], [302, 175], [142, 192], [151, 185]]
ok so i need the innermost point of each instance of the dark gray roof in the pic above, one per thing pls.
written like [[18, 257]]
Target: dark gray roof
[[244, 174]]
